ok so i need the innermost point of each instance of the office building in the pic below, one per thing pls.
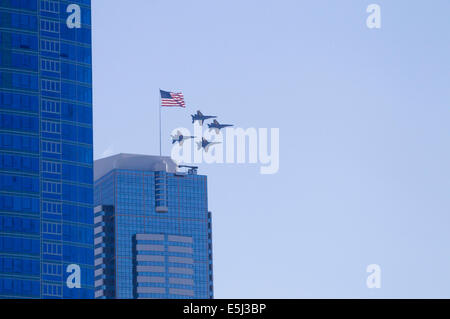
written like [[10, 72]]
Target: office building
[[46, 162], [152, 230]]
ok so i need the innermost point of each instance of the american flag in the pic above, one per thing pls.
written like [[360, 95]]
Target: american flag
[[170, 99]]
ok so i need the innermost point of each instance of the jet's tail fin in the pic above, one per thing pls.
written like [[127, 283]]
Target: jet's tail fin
[[216, 122], [193, 119], [199, 113]]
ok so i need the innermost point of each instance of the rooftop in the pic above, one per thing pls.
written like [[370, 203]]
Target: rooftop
[[133, 162]]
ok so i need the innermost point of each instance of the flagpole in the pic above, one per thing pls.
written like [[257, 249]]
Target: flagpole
[[160, 130]]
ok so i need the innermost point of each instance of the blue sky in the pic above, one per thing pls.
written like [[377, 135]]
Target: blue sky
[[363, 116]]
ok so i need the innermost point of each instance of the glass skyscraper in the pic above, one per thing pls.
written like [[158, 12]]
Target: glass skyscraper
[[152, 230], [46, 162]]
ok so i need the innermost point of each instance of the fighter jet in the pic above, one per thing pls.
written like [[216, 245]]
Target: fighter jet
[[215, 125], [180, 138], [201, 118], [205, 144]]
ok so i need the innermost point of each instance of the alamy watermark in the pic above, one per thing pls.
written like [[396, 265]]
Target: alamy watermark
[[374, 279], [74, 278], [74, 19], [374, 19], [232, 145]]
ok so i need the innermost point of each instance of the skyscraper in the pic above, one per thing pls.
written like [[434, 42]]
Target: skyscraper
[[152, 230], [46, 162]]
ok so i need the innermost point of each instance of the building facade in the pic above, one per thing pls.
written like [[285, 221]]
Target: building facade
[[152, 230], [46, 162]]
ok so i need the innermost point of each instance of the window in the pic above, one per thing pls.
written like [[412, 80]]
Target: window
[[51, 167], [25, 61], [51, 86], [50, 46], [51, 290], [24, 81], [51, 269], [50, 65], [51, 208], [51, 249], [49, 6], [51, 228], [51, 147], [49, 26], [50, 127], [23, 21], [51, 106], [51, 187]]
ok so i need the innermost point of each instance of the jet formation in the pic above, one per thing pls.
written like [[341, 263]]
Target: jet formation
[[204, 144]]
